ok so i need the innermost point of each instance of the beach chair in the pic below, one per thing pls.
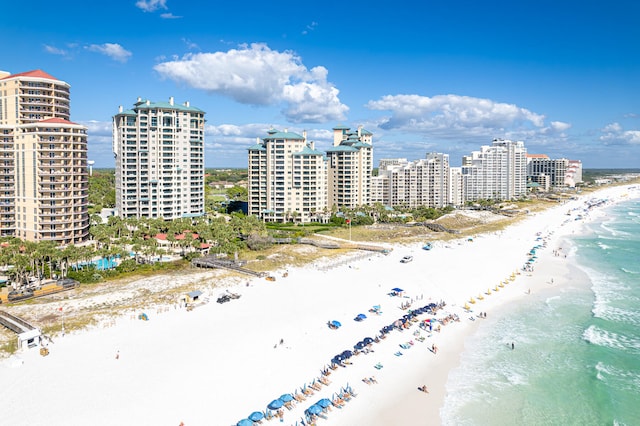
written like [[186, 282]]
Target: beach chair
[[405, 345], [398, 353], [378, 366]]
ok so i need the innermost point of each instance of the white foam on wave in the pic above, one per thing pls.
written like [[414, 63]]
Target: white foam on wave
[[628, 271], [628, 379], [602, 370], [600, 337]]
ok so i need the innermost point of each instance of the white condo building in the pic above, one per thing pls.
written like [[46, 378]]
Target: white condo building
[[159, 153], [559, 173], [496, 172], [423, 182], [287, 179], [43, 174]]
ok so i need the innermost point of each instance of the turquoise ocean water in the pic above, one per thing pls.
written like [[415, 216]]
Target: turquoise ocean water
[[577, 348]]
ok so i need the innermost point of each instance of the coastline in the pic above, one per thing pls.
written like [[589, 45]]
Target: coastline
[[219, 363]]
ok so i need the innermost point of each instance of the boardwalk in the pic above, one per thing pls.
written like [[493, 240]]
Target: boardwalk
[[15, 324]]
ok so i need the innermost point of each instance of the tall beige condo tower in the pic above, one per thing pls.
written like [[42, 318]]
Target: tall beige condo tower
[[287, 178], [43, 175]]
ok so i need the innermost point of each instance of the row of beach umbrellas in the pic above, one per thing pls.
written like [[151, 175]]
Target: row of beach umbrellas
[[256, 416]]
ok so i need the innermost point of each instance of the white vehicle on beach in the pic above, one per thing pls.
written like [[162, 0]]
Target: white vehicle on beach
[[406, 259]]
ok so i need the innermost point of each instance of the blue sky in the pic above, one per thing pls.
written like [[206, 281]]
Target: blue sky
[[422, 76]]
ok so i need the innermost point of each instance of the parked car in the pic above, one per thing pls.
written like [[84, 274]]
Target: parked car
[[406, 259]]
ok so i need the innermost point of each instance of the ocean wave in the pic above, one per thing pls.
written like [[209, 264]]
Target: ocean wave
[[603, 246], [600, 337], [611, 313], [628, 271], [614, 233], [621, 379]]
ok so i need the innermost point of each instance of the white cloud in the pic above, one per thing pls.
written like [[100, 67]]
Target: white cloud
[[54, 50], [112, 50], [169, 16], [151, 5], [190, 45], [614, 134], [465, 119], [312, 26], [452, 112], [560, 126], [257, 75], [99, 141]]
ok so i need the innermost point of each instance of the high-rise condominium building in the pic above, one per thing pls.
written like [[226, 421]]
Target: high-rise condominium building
[[43, 176], [287, 178], [159, 152], [349, 168], [496, 172], [423, 182], [560, 172]]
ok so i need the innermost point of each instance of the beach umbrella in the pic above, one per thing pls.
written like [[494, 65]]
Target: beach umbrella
[[397, 290], [336, 323], [286, 397], [324, 403], [256, 416], [275, 404], [360, 317], [314, 409], [245, 422], [359, 345], [347, 354], [368, 340]]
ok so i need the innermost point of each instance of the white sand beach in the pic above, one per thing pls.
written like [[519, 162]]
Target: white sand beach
[[218, 363]]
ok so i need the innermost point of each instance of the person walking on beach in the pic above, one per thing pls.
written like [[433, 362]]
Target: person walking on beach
[[513, 346]]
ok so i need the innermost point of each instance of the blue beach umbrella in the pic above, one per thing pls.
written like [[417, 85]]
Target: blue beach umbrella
[[275, 404], [336, 323], [286, 397], [324, 403], [245, 422], [256, 416], [397, 290], [314, 409]]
